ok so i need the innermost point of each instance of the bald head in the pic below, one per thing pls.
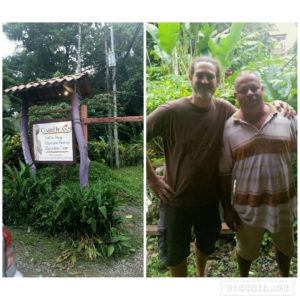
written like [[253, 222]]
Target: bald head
[[246, 75], [249, 93]]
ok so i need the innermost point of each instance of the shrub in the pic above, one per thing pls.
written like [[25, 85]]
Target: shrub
[[130, 153], [12, 149], [52, 201], [89, 214], [21, 191], [86, 211], [99, 151], [133, 153], [167, 88]]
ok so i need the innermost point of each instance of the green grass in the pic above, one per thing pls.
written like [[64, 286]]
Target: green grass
[[127, 180], [130, 181], [36, 239]]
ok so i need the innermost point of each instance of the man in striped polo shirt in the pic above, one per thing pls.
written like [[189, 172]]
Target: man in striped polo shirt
[[258, 144]]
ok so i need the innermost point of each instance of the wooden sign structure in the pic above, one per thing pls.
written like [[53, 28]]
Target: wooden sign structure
[[53, 141], [64, 88], [60, 89]]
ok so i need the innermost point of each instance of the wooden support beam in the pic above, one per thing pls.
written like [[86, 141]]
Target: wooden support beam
[[152, 229], [54, 111], [112, 119]]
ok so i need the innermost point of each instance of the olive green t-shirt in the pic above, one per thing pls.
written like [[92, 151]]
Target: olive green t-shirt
[[192, 139]]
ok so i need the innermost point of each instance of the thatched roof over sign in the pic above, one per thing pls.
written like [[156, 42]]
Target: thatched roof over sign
[[52, 89]]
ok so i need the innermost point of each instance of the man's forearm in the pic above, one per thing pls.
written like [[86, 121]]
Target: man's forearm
[[231, 217], [150, 172], [226, 190]]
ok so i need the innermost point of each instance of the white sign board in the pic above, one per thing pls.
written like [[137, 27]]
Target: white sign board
[[53, 141]]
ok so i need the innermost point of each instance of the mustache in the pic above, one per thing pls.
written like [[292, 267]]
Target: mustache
[[203, 88], [203, 93]]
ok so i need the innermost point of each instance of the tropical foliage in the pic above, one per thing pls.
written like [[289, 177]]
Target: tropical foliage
[[88, 216], [52, 201], [238, 47], [47, 50]]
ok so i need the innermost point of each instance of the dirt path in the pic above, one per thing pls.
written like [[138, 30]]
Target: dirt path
[[36, 253]]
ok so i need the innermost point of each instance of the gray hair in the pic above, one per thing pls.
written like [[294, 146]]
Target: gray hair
[[208, 59]]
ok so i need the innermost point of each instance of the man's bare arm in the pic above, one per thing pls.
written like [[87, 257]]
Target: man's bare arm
[[231, 217], [158, 185], [285, 108]]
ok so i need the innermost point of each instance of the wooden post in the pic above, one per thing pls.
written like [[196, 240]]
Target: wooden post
[[84, 116], [84, 160], [24, 136]]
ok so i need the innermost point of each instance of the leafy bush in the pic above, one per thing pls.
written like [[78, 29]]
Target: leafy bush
[[21, 191], [279, 78], [86, 211], [130, 153], [6, 148], [166, 88], [99, 151], [11, 149], [42, 214], [88, 216]]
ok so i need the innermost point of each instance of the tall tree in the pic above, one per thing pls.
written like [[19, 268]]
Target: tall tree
[[50, 49]]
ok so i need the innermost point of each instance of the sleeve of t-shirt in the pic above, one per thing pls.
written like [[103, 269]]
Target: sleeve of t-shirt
[[157, 122], [226, 161], [231, 110]]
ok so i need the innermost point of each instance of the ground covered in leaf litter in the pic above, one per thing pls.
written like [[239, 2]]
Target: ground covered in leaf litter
[[39, 255], [222, 263]]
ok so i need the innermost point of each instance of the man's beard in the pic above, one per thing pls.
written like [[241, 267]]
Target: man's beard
[[203, 93]]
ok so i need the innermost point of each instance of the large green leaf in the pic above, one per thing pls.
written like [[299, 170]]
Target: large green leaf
[[206, 31], [93, 223], [103, 211], [153, 31], [110, 250], [11, 125], [168, 35], [225, 48]]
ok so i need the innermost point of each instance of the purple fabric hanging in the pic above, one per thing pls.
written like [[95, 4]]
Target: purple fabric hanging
[[24, 136], [84, 160]]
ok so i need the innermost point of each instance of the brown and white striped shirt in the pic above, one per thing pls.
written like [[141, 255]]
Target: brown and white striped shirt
[[259, 161]]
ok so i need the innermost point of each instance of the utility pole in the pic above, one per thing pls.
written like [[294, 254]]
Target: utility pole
[[112, 64], [78, 68], [110, 135]]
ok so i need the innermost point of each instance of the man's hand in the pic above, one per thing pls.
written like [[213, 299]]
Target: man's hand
[[285, 108], [161, 189], [232, 219]]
